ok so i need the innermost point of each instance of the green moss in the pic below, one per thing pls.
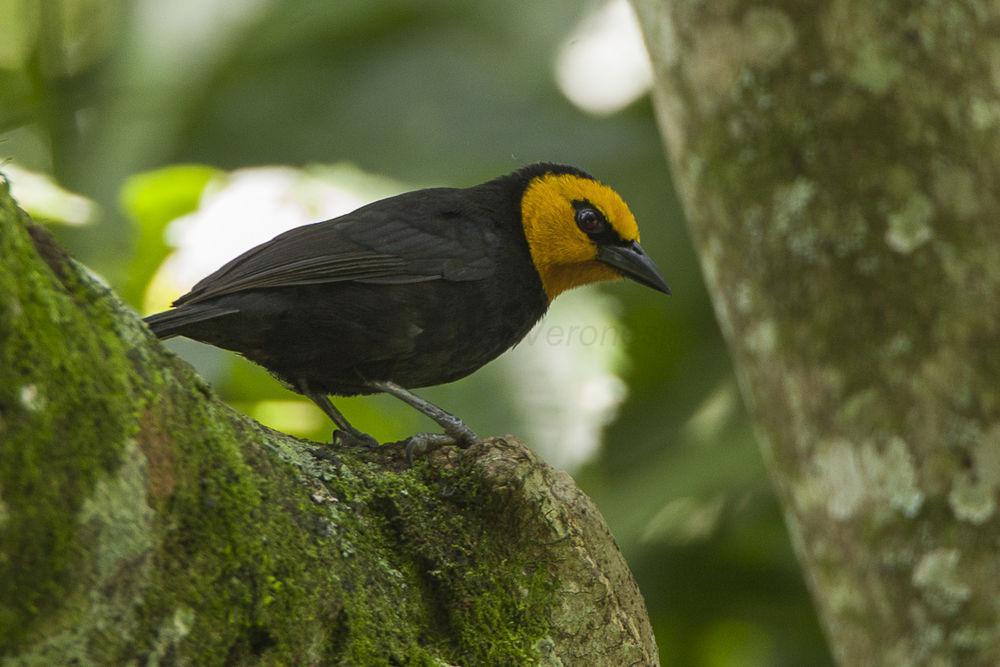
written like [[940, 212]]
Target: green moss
[[144, 521], [61, 427], [457, 588], [502, 591]]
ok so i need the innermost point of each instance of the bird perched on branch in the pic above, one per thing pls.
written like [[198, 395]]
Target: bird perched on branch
[[414, 290]]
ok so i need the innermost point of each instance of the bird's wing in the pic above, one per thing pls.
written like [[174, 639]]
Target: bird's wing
[[415, 237]]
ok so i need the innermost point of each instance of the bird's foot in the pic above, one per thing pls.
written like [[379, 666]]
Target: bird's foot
[[421, 444], [459, 432], [343, 438]]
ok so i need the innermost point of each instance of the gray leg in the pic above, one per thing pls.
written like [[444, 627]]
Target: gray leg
[[346, 431], [455, 430]]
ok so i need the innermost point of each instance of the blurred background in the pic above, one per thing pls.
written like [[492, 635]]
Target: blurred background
[[160, 139]]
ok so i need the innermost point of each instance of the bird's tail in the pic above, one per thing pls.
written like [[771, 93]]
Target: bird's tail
[[175, 322]]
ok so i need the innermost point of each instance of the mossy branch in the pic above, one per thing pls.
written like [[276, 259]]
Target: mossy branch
[[141, 519]]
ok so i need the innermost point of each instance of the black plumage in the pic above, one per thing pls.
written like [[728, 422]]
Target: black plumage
[[414, 290], [419, 289]]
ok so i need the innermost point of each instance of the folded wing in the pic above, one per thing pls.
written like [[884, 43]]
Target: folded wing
[[414, 237]]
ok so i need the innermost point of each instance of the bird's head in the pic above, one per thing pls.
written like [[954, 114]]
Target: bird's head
[[580, 231]]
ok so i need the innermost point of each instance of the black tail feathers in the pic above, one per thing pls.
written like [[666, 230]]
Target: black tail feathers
[[176, 322]]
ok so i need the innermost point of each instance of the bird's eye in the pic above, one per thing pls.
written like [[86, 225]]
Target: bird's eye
[[589, 221]]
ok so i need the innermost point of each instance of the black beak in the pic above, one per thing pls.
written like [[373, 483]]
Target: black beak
[[633, 263]]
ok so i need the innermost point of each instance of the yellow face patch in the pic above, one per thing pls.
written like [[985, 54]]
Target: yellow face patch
[[563, 254]]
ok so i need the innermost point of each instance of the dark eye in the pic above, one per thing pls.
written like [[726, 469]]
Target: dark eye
[[589, 221]]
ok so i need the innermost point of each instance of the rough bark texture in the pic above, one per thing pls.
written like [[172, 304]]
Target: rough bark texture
[[839, 166], [143, 521]]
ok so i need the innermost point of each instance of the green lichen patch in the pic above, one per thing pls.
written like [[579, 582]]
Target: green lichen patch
[[938, 577], [770, 35], [909, 227], [860, 50], [974, 487], [117, 508], [850, 480]]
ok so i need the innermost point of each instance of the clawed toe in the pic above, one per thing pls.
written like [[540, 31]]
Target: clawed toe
[[424, 443], [458, 431], [355, 439], [464, 437]]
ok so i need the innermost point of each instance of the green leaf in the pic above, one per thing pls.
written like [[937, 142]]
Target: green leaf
[[152, 200]]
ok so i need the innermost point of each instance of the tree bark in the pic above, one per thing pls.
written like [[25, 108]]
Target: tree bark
[[142, 520], [838, 165]]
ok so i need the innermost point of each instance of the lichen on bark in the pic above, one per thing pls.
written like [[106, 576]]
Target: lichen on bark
[[838, 167], [142, 520]]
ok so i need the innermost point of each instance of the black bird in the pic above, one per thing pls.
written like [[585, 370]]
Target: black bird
[[414, 290]]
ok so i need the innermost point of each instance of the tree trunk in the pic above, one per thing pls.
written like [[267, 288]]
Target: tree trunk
[[839, 166], [142, 520]]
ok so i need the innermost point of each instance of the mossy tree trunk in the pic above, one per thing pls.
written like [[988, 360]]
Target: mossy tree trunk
[[143, 521], [839, 165]]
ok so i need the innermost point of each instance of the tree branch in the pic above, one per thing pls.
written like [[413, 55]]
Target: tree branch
[[838, 166], [143, 519]]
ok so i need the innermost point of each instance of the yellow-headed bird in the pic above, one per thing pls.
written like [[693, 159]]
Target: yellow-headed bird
[[414, 290]]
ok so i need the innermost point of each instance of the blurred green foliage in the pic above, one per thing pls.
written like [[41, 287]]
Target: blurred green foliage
[[99, 92], [152, 200]]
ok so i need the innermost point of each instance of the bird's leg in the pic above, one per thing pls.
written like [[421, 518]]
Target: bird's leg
[[455, 430], [346, 431], [452, 425]]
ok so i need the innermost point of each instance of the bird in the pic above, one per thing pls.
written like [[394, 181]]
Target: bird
[[414, 290]]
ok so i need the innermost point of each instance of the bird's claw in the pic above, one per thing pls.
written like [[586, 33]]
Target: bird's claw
[[461, 434], [344, 438], [424, 443]]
